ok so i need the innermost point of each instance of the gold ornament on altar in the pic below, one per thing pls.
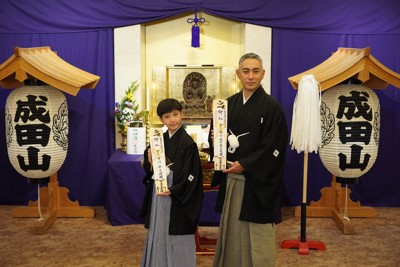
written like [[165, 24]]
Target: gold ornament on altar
[[123, 142]]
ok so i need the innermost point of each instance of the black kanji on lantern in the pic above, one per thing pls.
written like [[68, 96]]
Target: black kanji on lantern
[[30, 134], [32, 110], [33, 160], [354, 106], [354, 159], [355, 131]]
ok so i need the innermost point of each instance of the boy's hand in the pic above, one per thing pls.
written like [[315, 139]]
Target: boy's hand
[[166, 193], [150, 159]]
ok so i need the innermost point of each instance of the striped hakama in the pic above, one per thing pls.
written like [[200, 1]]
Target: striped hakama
[[242, 243], [162, 249]]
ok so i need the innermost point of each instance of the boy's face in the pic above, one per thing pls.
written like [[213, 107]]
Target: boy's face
[[172, 120]]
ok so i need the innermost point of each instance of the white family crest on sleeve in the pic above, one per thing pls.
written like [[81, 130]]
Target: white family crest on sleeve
[[191, 177], [276, 153]]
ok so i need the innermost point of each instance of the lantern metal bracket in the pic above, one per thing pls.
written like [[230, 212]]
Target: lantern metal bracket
[[55, 203]]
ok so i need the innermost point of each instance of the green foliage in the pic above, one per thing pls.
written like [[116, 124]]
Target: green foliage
[[126, 111]]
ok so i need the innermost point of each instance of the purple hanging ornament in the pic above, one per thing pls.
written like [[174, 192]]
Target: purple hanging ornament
[[195, 29], [195, 36]]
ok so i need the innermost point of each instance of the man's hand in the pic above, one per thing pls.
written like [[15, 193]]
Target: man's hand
[[235, 168]]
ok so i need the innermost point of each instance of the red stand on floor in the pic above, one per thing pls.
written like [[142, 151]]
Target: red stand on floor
[[302, 244], [303, 247]]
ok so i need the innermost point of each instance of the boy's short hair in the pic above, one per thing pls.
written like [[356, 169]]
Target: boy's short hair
[[168, 105]]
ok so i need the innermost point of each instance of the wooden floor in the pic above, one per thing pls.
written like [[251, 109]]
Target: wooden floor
[[94, 242]]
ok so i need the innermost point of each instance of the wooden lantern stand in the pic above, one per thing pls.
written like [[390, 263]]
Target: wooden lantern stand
[[331, 204], [54, 203]]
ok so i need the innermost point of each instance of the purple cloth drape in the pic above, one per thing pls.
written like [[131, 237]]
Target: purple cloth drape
[[305, 33], [341, 16]]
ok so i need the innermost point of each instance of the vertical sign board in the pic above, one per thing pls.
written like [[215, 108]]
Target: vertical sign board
[[158, 158], [220, 120]]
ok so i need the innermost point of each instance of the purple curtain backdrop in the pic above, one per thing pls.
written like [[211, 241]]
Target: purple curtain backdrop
[[305, 33]]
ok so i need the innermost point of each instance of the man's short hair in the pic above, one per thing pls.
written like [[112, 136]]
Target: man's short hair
[[250, 55]]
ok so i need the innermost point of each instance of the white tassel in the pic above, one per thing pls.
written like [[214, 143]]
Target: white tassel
[[233, 141], [306, 119]]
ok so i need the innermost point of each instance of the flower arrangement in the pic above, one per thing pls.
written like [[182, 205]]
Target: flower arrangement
[[126, 112]]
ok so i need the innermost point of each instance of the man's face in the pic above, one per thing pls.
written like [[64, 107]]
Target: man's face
[[250, 73]]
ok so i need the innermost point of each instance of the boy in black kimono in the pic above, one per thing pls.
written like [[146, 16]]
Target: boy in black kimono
[[172, 216]]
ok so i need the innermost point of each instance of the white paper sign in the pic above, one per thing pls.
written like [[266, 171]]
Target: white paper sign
[[135, 140], [220, 119], [158, 158]]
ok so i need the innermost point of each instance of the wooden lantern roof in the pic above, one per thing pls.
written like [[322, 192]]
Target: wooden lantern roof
[[348, 63], [43, 64]]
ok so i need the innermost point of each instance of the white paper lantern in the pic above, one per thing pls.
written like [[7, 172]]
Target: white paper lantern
[[350, 123], [36, 130]]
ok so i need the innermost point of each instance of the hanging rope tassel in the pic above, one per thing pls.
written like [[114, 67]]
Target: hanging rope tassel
[[195, 29], [345, 213], [39, 209]]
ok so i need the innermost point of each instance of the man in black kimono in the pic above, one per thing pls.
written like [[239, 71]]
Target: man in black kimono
[[249, 188]]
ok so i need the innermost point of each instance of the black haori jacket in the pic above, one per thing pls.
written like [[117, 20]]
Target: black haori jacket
[[261, 153], [187, 185]]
